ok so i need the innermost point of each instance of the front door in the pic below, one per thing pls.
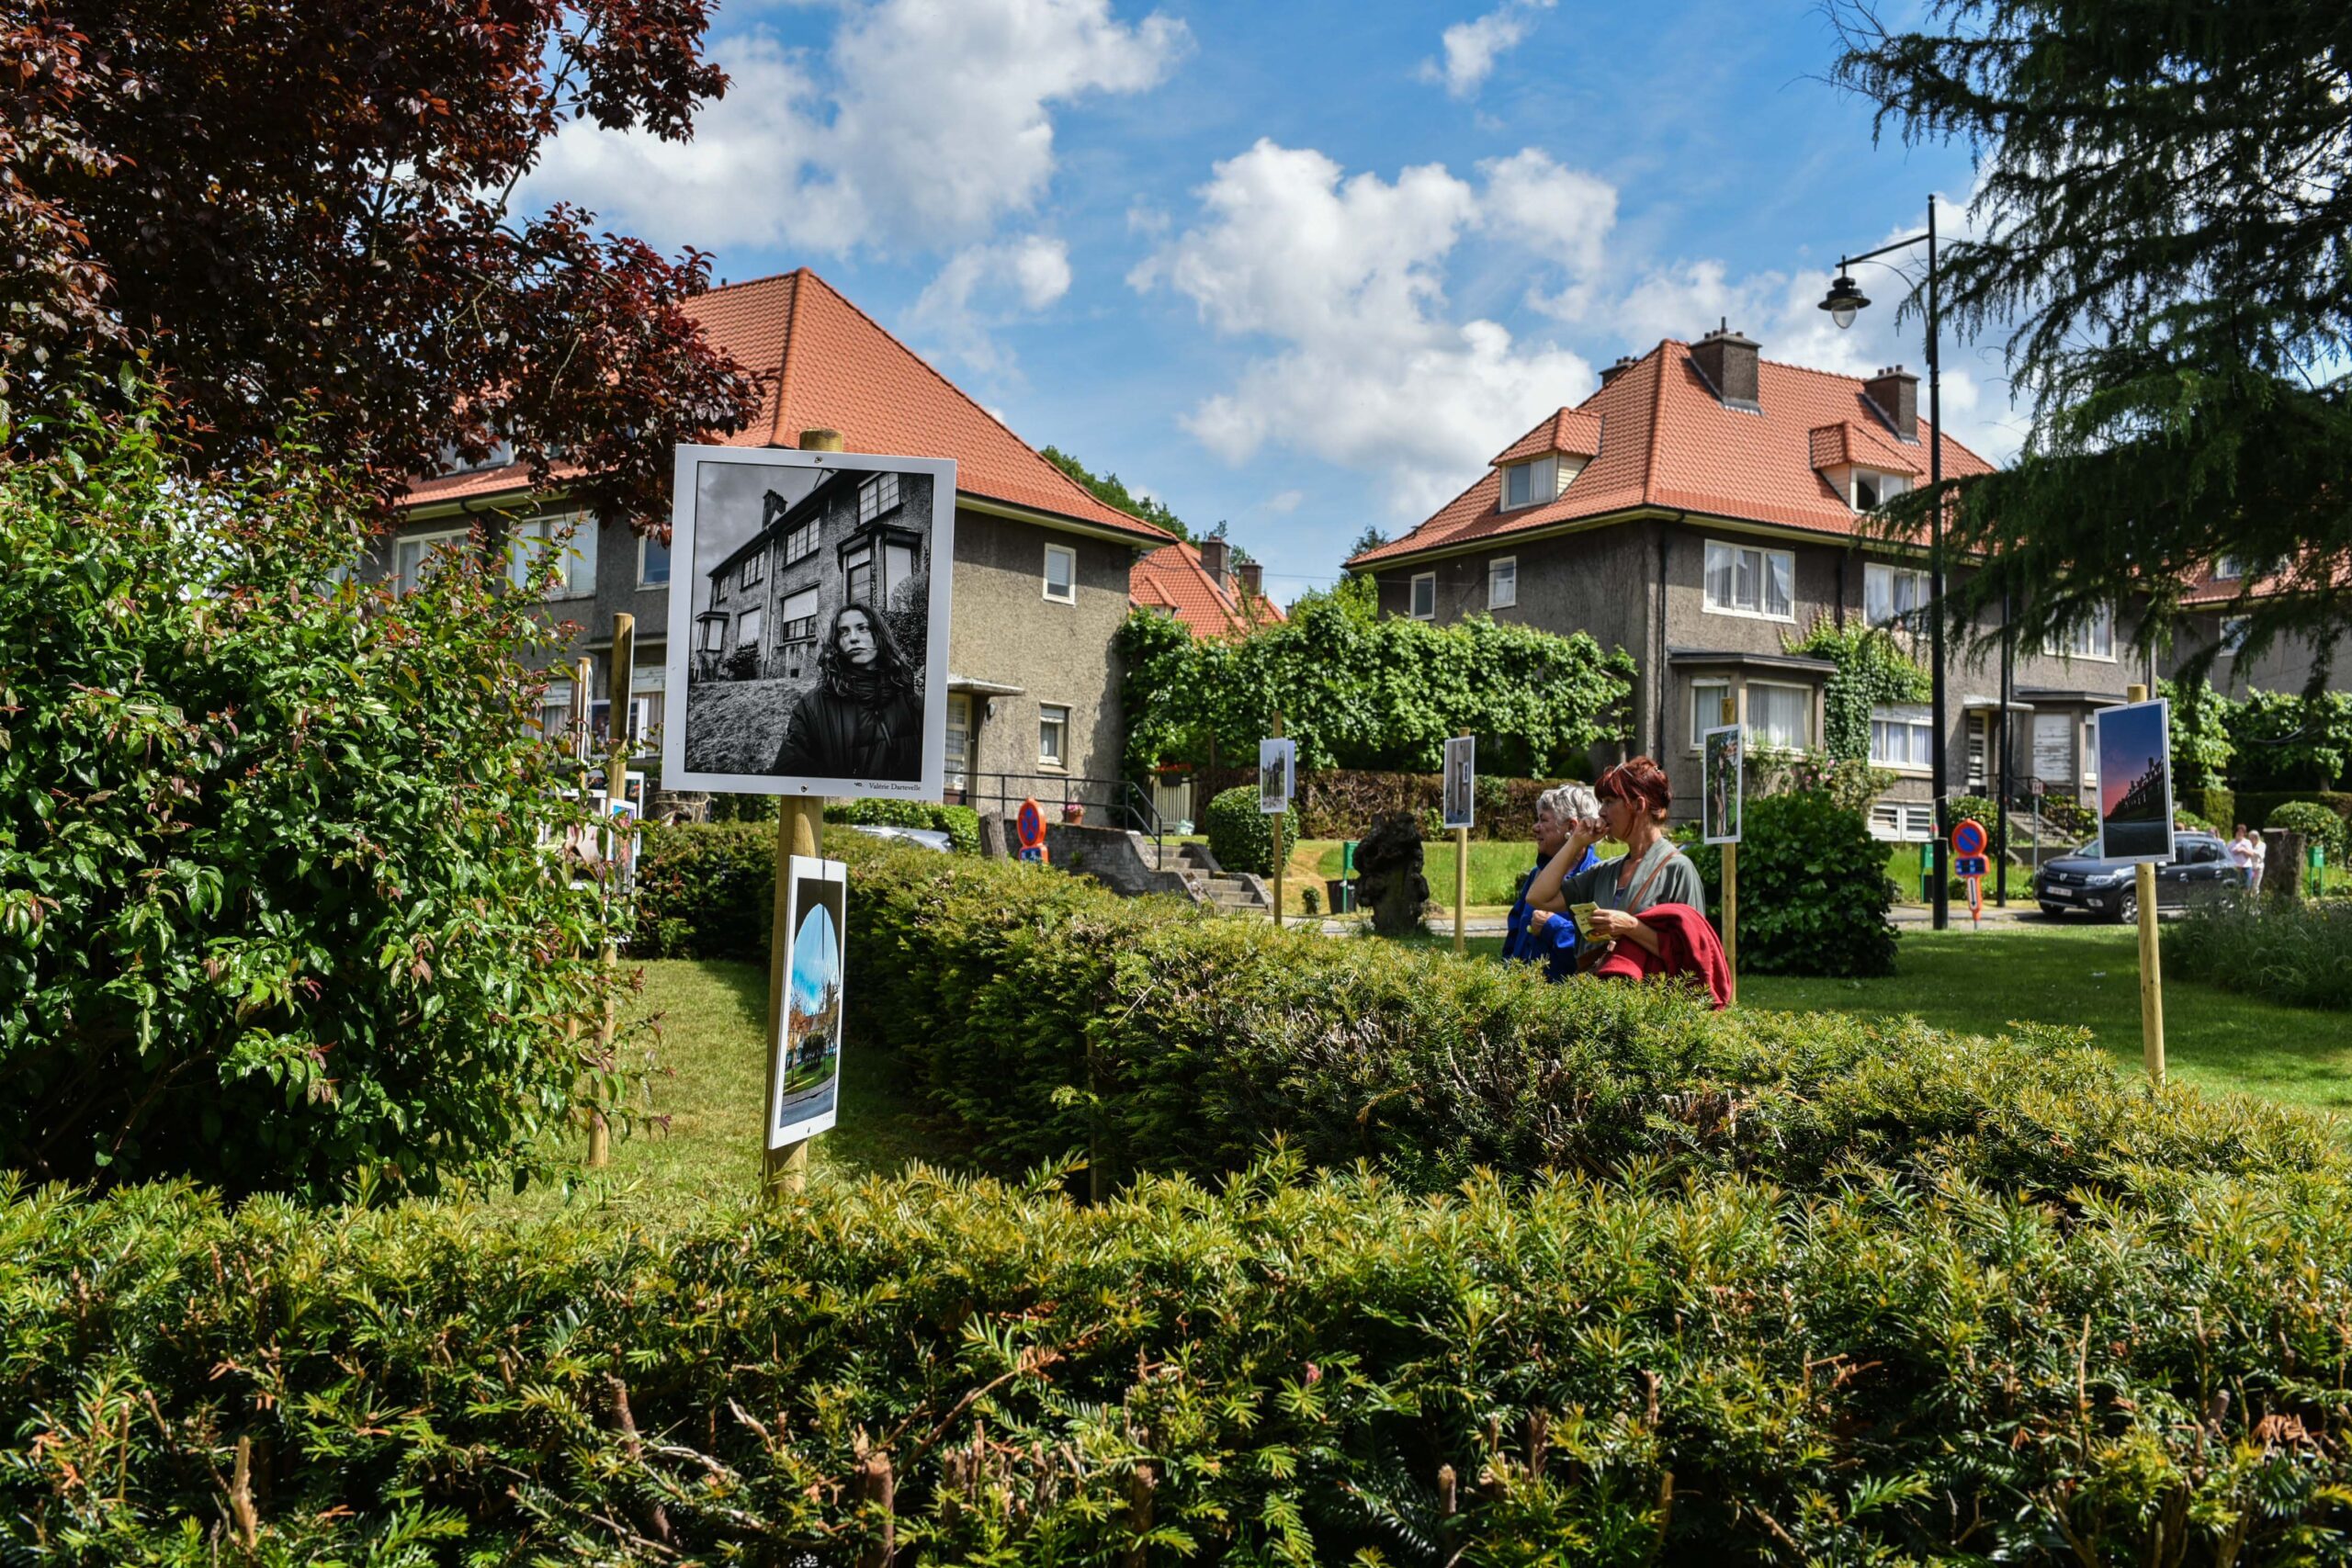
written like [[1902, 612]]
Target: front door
[[959, 741]]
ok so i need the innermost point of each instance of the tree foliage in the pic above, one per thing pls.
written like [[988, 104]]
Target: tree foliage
[[1359, 690], [303, 204], [2164, 233], [271, 909], [2201, 746], [1109, 490]]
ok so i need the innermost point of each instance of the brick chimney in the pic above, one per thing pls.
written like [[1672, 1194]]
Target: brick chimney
[[1728, 361], [1895, 394], [1213, 559], [1252, 576], [1624, 362]]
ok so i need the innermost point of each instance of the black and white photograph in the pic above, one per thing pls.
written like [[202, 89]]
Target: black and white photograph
[[1461, 780], [805, 1076], [2134, 743], [807, 654], [1277, 774], [1720, 783]]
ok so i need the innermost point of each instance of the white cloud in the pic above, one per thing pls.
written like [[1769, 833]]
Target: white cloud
[[1564, 215], [986, 286], [924, 125], [1472, 46], [1344, 274], [1284, 503]]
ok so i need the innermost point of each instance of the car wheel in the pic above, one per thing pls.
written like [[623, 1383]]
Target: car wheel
[[2127, 909]]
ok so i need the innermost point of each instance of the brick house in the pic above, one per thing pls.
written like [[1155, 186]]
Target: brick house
[[1041, 566], [1703, 509], [1203, 587], [2210, 611]]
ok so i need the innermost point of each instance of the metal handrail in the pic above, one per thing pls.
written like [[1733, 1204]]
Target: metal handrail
[[1118, 800]]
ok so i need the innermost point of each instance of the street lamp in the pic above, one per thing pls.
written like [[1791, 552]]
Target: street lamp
[[1842, 303]]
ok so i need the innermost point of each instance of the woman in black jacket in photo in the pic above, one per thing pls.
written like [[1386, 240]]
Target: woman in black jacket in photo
[[862, 719]]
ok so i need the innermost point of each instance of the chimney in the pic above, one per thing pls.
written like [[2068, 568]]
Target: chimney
[[1728, 361], [1213, 559], [1252, 576], [1894, 392], [1624, 362]]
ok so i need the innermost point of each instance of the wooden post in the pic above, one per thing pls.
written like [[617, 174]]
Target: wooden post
[[2151, 979], [617, 694], [800, 831], [1461, 881], [1279, 851], [1730, 715]]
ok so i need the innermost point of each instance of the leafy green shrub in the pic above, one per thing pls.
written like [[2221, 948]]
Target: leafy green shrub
[[2289, 953], [272, 908], [1241, 836], [1284, 1368], [1037, 1014], [960, 823], [2315, 822], [1813, 888], [2214, 805], [1984, 810], [705, 890]]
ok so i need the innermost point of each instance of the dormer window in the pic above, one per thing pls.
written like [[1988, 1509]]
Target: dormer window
[[1531, 484], [2226, 569], [1873, 489]]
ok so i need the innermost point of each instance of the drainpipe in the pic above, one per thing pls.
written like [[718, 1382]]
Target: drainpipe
[[1658, 678]]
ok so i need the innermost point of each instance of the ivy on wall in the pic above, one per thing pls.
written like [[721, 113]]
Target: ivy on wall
[[1872, 668]]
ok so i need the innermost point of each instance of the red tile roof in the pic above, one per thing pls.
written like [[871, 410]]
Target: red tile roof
[[1570, 430], [1172, 578], [1668, 441], [828, 366]]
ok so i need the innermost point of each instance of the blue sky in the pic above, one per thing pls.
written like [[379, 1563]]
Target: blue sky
[[1303, 267], [815, 959]]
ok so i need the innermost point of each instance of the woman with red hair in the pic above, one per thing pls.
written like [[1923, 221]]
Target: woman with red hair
[[1634, 799]]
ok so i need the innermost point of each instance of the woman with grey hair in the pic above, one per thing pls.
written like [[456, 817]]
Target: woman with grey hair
[[1540, 936]]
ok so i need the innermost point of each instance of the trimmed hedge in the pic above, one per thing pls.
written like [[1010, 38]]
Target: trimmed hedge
[[1241, 836], [2315, 822], [1038, 1015], [960, 823], [1813, 888], [1284, 1371], [2215, 805], [705, 890], [2255, 805]]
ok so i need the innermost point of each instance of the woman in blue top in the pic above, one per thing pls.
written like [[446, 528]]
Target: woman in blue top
[[1540, 936]]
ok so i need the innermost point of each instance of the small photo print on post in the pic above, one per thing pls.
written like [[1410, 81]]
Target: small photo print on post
[[805, 1076], [1277, 774], [808, 613], [1459, 799], [1721, 761], [2135, 747]]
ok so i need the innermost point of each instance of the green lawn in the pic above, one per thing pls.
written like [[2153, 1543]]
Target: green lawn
[[1496, 866]]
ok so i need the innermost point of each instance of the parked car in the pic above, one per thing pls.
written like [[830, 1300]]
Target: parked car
[[2200, 869]]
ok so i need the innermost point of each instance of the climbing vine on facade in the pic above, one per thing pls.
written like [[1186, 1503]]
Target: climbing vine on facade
[[1872, 668]]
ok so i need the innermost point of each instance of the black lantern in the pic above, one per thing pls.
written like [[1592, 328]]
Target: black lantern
[[1845, 298]]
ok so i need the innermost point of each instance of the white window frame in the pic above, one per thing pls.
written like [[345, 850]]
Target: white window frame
[[2234, 632], [877, 496], [1903, 821], [2227, 569], [801, 543], [1923, 584], [643, 541], [1710, 716], [573, 532], [425, 543], [1913, 716], [1889, 486], [1507, 597], [1543, 483], [1758, 740], [752, 571], [2079, 638], [758, 615], [1765, 557], [1044, 721], [1413, 596], [1069, 589]]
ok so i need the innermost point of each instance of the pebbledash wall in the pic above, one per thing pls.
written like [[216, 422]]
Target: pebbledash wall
[[1030, 670]]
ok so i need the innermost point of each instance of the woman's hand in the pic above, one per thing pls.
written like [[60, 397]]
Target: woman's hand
[[1608, 925], [1544, 891]]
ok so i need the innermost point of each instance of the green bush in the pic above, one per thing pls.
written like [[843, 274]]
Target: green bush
[[1287, 1371], [272, 908], [2316, 822], [2214, 805], [2296, 953], [1813, 888], [1241, 835], [960, 823], [705, 890], [1033, 1015], [1984, 809]]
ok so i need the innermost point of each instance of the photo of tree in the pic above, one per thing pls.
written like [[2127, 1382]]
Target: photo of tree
[[1719, 788]]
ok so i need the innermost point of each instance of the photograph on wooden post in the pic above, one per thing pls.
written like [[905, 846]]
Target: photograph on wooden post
[[808, 1047], [2133, 744], [1277, 774], [808, 650], [1719, 785], [1460, 807]]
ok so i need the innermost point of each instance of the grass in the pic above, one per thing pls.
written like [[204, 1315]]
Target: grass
[[1496, 866], [739, 725]]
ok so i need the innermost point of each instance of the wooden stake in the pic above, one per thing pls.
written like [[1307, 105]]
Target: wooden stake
[[1279, 851], [800, 831], [1460, 880], [1731, 917], [617, 694], [2151, 979]]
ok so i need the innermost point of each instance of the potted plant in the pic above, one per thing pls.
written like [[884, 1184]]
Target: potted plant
[[1073, 812]]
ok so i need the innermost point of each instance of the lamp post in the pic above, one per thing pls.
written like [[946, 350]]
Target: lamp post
[[1843, 301]]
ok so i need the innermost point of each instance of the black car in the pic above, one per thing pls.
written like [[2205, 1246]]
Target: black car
[[2200, 869]]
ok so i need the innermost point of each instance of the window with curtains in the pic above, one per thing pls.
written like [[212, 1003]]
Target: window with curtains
[[412, 556], [1901, 735], [1745, 579], [1707, 700], [1503, 583], [1061, 574], [1893, 594], [1780, 717], [1053, 735], [1872, 488], [572, 539], [2093, 639], [1531, 484], [652, 563], [1423, 604]]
